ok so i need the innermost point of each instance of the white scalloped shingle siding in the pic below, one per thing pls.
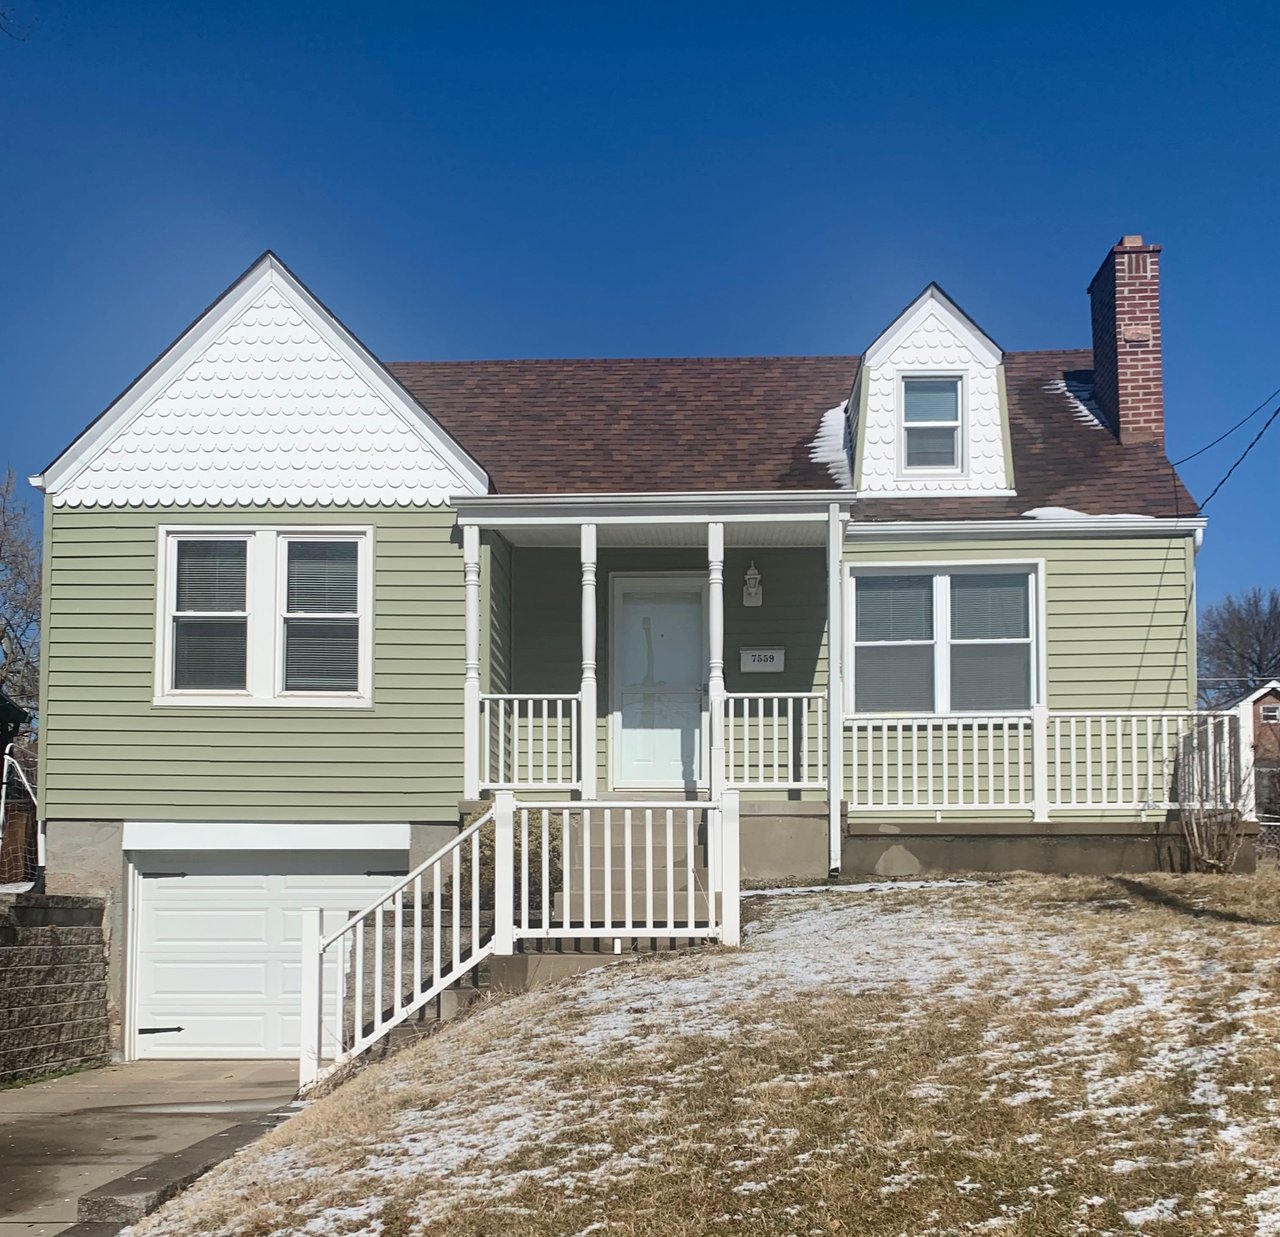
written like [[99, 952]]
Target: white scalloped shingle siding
[[269, 413], [933, 347]]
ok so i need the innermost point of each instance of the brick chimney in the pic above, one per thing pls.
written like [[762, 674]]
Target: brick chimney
[[1128, 379]]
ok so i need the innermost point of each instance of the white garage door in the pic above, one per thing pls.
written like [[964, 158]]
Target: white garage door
[[219, 936]]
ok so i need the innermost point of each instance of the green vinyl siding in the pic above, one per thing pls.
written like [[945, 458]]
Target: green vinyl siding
[[496, 617], [1119, 613], [109, 752]]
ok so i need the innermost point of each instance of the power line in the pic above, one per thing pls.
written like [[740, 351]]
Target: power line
[[1228, 433], [1243, 455]]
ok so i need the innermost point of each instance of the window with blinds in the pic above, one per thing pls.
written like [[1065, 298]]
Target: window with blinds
[[322, 617], [210, 619], [958, 641], [274, 616], [931, 422]]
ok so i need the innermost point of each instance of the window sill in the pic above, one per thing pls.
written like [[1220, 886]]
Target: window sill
[[262, 702]]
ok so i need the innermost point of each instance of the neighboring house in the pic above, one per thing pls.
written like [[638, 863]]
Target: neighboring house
[[926, 608], [1263, 705]]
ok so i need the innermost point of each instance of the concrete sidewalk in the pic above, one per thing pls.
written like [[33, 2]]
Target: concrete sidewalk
[[61, 1138]]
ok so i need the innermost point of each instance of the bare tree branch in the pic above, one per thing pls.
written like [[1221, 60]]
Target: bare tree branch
[[19, 599], [1238, 645]]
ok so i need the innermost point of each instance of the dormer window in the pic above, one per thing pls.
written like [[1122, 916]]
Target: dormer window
[[931, 423]]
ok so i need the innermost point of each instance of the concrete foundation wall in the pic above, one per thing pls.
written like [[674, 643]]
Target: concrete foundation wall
[[783, 840], [1069, 848], [53, 985]]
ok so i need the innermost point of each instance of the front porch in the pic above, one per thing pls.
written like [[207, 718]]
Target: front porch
[[633, 655]]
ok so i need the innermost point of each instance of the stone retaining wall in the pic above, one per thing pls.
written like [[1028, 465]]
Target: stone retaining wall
[[53, 985]]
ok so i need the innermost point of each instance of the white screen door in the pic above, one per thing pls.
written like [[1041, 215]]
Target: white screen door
[[659, 678]]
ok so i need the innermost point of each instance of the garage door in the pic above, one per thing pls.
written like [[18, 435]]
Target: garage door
[[218, 943]]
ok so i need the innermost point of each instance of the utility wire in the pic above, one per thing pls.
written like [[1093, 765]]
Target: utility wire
[[1228, 433], [1243, 455]]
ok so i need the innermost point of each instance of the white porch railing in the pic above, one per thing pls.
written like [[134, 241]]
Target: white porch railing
[[530, 741], [1143, 760], [522, 871], [775, 740], [933, 763]]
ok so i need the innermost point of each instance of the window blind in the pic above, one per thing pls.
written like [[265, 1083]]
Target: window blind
[[209, 653], [321, 655], [990, 607], [322, 577], [893, 678], [990, 677], [894, 608], [211, 575], [931, 447], [931, 399]]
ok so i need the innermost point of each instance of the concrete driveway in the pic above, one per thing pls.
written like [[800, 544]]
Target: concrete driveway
[[61, 1138]]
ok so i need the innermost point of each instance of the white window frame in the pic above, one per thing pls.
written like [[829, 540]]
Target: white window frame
[[961, 467], [1274, 709], [265, 599], [1034, 569]]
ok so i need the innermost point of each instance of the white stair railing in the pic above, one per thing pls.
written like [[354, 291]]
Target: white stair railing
[[529, 741], [12, 771], [541, 871], [775, 740], [385, 963]]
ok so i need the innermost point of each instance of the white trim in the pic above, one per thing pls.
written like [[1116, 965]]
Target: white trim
[[952, 530], [765, 506], [960, 426], [676, 582], [264, 585], [1036, 570], [193, 342], [240, 835], [1273, 685], [932, 300]]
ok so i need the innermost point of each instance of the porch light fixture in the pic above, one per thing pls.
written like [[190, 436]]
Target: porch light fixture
[[752, 590]]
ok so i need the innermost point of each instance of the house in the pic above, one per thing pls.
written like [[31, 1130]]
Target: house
[[1262, 706], [926, 608]]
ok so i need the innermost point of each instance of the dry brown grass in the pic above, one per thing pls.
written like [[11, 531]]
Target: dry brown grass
[[1034, 1058]]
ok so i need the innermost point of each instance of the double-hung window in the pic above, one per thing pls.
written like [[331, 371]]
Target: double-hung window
[[943, 641], [931, 423], [265, 616]]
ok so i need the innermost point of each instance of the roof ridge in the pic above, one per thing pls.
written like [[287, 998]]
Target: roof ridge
[[600, 360]]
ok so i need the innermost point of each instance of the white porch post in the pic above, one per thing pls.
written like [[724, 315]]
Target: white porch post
[[471, 681], [835, 685], [1040, 762], [589, 702], [715, 644], [504, 870], [730, 870], [1248, 791], [311, 995]]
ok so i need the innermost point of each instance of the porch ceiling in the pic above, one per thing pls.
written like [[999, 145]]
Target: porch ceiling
[[657, 533]]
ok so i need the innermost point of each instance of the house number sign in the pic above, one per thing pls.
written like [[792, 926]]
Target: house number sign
[[762, 661]]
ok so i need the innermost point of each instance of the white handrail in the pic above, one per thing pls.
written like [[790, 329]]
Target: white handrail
[[10, 762], [349, 1000]]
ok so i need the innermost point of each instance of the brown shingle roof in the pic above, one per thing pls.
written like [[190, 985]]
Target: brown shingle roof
[[746, 423]]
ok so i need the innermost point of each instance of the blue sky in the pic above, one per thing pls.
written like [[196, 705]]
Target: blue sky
[[567, 180]]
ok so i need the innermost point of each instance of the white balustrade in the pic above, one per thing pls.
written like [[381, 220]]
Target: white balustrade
[[530, 741], [936, 762], [775, 740]]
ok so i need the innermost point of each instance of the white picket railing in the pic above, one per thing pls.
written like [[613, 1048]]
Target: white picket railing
[[931, 763], [1141, 760], [521, 871], [646, 869], [775, 740], [529, 741], [390, 959]]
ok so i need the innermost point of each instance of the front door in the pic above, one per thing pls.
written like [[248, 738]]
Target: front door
[[659, 681]]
